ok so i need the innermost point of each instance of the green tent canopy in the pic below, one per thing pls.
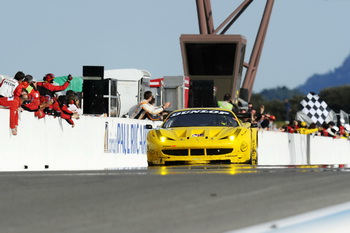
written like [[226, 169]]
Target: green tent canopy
[[75, 85]]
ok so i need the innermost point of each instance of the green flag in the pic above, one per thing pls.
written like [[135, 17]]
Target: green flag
[[76, 84]]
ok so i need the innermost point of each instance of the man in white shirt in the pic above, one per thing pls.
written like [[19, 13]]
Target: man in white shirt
[[11, 86], [144, 107]]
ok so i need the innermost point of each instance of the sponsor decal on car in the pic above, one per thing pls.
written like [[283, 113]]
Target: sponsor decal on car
[[198, 135], [200, 112]]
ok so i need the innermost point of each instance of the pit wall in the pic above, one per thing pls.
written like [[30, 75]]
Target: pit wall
[[277, 148], [100, 143], [95, 143]]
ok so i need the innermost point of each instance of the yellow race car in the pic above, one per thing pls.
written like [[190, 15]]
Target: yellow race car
[[202, 135]]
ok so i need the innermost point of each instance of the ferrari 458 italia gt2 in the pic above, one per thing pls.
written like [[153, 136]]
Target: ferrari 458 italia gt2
[[202, 135]]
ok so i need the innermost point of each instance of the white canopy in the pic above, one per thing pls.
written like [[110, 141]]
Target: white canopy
[[126, 74]]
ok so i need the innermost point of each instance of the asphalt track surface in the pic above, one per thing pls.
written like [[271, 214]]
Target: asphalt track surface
[[215, 199]]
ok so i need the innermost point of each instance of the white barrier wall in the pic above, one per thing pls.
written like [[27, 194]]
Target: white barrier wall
[[94, 143], [98, 143], [277, 148], [326, 150]]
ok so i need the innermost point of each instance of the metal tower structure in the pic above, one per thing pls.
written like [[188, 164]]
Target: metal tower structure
[[206, 27]]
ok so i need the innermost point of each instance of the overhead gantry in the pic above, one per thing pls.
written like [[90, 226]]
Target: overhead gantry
[[214, 60]]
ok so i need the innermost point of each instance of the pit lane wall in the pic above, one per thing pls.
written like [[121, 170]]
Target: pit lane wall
[[100, 143], [95, 143], [277, 148]]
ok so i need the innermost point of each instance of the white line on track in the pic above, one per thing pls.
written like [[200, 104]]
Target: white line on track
[[24, 174], [331, 219]]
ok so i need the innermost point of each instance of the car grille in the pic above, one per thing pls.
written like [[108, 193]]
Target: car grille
[[194, 152]]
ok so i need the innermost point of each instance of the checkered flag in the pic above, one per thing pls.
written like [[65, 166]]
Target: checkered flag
[[315, 108]]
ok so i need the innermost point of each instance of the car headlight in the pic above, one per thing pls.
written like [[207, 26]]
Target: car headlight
[[162, 139], [231, 138]]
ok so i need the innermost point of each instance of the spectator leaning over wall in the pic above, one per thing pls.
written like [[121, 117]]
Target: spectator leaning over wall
[[291, 126], [12, 86], [323, 129], [14, 103], [65, 112], [342, 130], [332, 129], [74, 103], [33, 102], [47, 90], [304, 129]]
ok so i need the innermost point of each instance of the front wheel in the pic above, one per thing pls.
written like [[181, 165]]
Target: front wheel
[[254, 153], [254, 158]]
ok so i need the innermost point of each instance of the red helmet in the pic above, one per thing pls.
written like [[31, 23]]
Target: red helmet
[[272, 117], [49, 78]]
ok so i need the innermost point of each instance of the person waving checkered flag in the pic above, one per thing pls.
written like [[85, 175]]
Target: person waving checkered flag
[[315, 108]]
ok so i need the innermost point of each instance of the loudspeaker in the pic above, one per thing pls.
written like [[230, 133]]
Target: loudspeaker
[[93, 71], [93, 92]]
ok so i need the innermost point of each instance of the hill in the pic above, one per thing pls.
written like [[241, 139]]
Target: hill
[[338, 77], [316, 83], [279, 93]]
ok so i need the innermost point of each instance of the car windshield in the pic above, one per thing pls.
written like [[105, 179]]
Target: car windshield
[[193, 118]]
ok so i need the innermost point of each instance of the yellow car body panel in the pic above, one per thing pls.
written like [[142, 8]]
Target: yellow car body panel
[[202, 142]]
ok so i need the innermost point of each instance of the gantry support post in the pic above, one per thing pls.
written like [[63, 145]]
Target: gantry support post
[[252, 67]]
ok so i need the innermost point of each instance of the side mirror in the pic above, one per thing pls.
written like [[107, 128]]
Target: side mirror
[[247, 124]]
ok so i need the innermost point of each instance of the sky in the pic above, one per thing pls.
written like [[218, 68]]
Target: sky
[[304, 37]]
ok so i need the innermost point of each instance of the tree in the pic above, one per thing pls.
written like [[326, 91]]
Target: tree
[[337, 98], [276, 107]]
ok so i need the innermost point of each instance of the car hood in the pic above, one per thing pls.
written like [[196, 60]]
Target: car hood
[[203, 132]]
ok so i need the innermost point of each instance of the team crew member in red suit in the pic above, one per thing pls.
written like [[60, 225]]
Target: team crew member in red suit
[[290, 128], [30, 85], [323, 129], [342, 131], [13, 103], [47, 89], [65, 113], [33, 94], [33, 103]]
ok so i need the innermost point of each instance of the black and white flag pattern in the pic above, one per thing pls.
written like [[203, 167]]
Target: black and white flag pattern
[[315, 108]]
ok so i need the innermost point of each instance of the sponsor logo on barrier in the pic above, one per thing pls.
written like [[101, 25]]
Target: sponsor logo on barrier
[[125, 138]]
